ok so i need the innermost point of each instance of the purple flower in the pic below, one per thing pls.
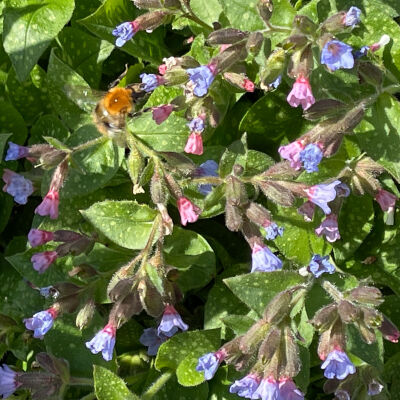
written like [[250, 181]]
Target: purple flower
[[152, 340], [267, 390], [196, 125], [329, 228], [207, 168], [17, 186], [246, 386], [209, 364], [336, 54], [318, 265], [15, 152], [374, 388], [171, 322], [311, 156], [161, 113], [276, 82], [124, 32], [301, 94], [352, 17], [289, 391], [291, 152], [42, 261], [322, 194], [104, 341], [362, 52], [8, 381], [342, 190], [41, 322], [49, 204], [273, 230], [264, 260], [202, 78], [337, 365], [307, 211], [37, 237], [151, 81]]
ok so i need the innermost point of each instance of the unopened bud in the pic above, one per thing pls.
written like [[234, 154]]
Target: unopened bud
[[389, 330], [82, 245], [226, 36], [239, 80], [158, 190], [233, 54], [265, 8], [125, 308], [85, 314], [251, 340], [150, 298], [56, 366], [51, 158], [325, 317], [59, 175], [272, 68], [324, 108], [301, 63], [334, 23], [135, 165], [348, 312], [370, 73], [233, 217], [173, 186], [277, 193], [278, 308], [235, 191], [64, 235], [304, 24], [167, 220], [331, 339], [151, 20], [366, 295], [147, 4], [254, 42], [296, 41], [372, 318], [270, 344], [258, 214], [367, 334], [176, 76]]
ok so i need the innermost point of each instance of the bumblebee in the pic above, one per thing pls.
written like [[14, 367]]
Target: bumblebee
[[111, 108]]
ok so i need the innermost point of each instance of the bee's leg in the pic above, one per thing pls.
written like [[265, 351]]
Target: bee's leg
[[137, 113], [118, 80]]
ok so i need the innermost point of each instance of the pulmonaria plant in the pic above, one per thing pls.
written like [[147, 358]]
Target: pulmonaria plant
[[271, 184]]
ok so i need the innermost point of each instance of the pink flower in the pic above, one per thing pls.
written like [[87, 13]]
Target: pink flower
[[161, 113], [301, 94], [162, 69], [329, 228], [38, 237], [224, 47], [194, 144], [188, 211], [291, 152], [248, 85], [42, 261], [49, 205], [386, 200]]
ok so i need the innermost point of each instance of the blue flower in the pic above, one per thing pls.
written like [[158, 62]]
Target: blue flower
[[362, 52], [152, 340], [17, 186], [208, 168], [352, 17], [289, 391], [41, 322], [276, 82], [246, 386], [273, 230], [318, 265], [208, 364], [336, 54], [337, 365], [267, 390], [149, 82], [311, 156], [264, 260], [15, 152], [125, 32], [202, 77], [103, 341], [8, 381], [196, 125], [171, 322], [322, 194]]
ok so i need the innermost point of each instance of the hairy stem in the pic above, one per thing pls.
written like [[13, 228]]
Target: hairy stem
[[156, 386]]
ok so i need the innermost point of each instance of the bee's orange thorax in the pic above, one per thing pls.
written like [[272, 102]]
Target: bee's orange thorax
[[118, 100]]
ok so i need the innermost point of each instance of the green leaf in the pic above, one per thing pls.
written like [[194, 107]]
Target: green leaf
[[257, 162], [355, 222], [378, 133], [171, 135], [48, 125], [84, 53], [3, 140], [111, 13], [12, 121], [181, 353], [199, 50], [208, 11], [272, 117], [99, 163], [191, 254], [236, 153], [242, 15], [29, 27], [126, 223], [258, 288], [240, 324], [283, 13], [109, 386]]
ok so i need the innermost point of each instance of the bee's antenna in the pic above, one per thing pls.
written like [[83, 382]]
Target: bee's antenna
[[118, 80]]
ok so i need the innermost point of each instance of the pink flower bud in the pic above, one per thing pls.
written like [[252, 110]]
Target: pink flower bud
[[161, 113], [291, 152], [42, 261], [162, 69], [194, 144], [383, 41], [49, 205], [38, 237], [301, 94], [248, 85], [386, 200], [188, 211]]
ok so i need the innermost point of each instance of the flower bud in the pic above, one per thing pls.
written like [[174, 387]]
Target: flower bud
[[272, 68], [125, 308], [233, 217], [64, 235], [367, 333], [85, 314], [250, 341], [233, 54], [334, 23], [257, 214], [148, 3], [265, 8], [324, 108], [331, 339], [371, 317], [325, 317], [158, 190], [348, 312], [54, 365], [226, 36], [304, 24], [301, 63], [278, 308], [175, 76], [151, 20], [235, 191], [254, 42], [270, 344], [295, 41], [239, 80], [366, 295], [389, 330], [150, 298], [370, 73], [276, 192], [135, 165], [173, 186]]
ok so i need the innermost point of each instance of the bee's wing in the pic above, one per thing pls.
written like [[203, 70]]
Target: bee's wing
[[84, 97]]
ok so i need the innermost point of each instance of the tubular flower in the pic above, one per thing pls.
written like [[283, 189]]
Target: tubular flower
[[202, 78], [268, 389], [124, 32], [8, 381], [329, 228], [42, 261], [337, 365], [49, 205], [187, 210], [17, 186], [336, 54], [319, 265], [207, 168], [246, 386], [311, 156], [352, 17], [171, 322], [209, 364], [322, 194], [291, 152], [264, 260], [161, 113], [37, 237], [104, 342], [15, 152], [301, 94], [152, 340], [194, 144], [41, 322]]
